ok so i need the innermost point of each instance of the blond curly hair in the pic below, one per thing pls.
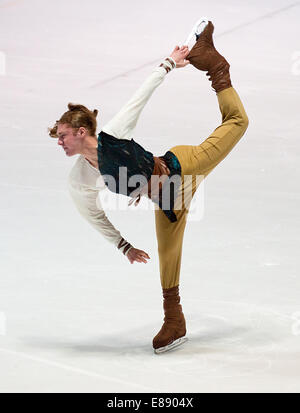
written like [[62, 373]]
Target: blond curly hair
[[75, 117]]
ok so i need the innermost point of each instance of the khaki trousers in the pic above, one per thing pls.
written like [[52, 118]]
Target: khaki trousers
[[196, 160]]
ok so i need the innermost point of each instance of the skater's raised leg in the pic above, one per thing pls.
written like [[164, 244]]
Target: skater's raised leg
[[202, 159]]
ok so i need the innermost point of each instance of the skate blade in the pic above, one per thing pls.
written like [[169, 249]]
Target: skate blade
[[198, 28], [176, 343]]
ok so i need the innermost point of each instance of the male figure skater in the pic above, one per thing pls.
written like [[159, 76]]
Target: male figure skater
[[112, 152]]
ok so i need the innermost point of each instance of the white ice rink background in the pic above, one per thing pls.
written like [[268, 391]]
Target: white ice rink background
[[74, 314]]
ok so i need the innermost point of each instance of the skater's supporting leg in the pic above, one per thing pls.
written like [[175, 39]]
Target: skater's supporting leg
[[169, 239]]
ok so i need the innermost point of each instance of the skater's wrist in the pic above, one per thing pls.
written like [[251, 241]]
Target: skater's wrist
[[127, 250], [124, 246], [168, 64], [171, 61]]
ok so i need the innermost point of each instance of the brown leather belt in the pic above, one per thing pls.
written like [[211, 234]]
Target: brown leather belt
[[159, 175]]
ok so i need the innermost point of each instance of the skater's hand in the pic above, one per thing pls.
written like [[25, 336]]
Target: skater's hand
[[179, 54], [137, 255]]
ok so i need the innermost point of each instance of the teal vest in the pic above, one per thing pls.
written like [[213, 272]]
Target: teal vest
[[122, 159]]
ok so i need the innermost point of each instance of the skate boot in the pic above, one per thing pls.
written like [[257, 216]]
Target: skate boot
[[205, 57], [172, 333]]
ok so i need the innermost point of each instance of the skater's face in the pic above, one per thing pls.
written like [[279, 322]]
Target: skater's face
[[70, 139]]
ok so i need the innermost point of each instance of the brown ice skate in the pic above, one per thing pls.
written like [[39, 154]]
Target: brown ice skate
[[204, 56], [172, 333]]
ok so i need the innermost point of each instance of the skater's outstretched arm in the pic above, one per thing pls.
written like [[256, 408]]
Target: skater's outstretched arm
[[123, 123], [89, 206]]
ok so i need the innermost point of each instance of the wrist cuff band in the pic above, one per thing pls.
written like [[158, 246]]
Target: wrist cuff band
[[168, 64], [124, 246]]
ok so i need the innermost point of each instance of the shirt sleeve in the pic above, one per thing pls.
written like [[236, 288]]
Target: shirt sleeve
[[124, 122], [89, 206]]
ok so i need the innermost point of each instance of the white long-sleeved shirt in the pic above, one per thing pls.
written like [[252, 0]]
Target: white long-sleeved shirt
[[85, 181]]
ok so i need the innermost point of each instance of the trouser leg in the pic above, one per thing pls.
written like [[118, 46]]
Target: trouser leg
[[202, 159], [169, 240], [170, 235]]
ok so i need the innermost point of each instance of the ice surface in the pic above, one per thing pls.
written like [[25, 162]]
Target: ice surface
[[74, 314]]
